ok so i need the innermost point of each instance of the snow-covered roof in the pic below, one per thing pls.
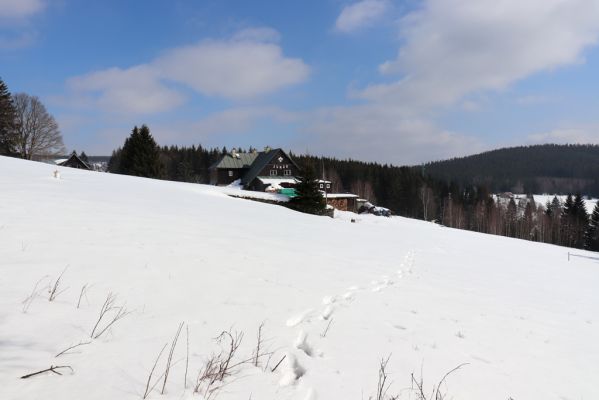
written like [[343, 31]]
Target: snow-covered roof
[[342, 196]]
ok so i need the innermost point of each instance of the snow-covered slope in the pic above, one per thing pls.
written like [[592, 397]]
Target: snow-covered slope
[[524, 318]]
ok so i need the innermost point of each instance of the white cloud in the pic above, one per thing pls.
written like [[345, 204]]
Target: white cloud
[[236, 69], [16, 28], [20, 8], [133, 90], [453, 48], [245, 66], [361, 14]]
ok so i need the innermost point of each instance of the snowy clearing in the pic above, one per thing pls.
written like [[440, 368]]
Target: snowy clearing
[[335, 297]]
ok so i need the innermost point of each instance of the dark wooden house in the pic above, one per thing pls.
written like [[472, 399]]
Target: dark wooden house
[[260, 171], [231, 167], [75, 162]]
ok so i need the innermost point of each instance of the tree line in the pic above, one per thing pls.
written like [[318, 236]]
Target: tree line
[[27, 130], [407, 191], [547, 168]]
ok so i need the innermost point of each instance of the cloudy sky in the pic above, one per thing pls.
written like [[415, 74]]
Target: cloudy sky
[[398, 81]]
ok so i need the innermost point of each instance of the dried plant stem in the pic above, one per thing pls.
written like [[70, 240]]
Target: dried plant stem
[[148, 389], [72, 347], [82, 293], [170, 357]]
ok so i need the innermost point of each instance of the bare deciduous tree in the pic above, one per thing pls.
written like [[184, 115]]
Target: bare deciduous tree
[[37, 130]]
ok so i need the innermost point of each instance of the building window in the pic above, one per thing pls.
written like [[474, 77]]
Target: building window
[[328, 185], [273, 172], [230, 173], [288, 172], [321, 186]]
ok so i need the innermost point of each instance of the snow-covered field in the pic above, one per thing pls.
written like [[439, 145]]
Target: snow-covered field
[[524, 318]]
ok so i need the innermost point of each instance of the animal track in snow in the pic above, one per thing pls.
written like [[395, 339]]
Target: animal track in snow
[[301, 343], [328, 311], [299, 318], [292, 371]]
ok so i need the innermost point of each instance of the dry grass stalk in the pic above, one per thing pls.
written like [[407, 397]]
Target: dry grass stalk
[[219, 366], [170, 357], [118, 312], [34, 293], [326, 330], [71, 348], [54, 290], [186, 355], [82, 293], [148, 388], [436, 393]]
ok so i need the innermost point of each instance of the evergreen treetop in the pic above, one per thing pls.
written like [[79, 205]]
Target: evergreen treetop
[[140, 154], [8, 134], [308, 198]]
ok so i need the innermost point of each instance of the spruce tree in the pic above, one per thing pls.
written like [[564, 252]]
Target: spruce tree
[[567, 222], [592, 232], [8, 135], [83, 157], [140, 155], [308, 198], [580, 221]]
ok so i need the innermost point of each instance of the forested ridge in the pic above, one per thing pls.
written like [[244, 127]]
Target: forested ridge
[[547, 168]]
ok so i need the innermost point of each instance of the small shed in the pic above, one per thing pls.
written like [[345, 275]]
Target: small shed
[[343, 201]]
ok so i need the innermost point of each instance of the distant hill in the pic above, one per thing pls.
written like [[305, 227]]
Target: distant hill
[[547, 168]]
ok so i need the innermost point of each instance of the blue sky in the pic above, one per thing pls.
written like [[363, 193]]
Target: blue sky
[[401, 82]]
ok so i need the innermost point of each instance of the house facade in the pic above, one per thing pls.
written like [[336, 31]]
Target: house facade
[[271, 169]]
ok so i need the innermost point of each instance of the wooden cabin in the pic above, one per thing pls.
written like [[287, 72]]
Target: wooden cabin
[[75, 162], [270, 169]]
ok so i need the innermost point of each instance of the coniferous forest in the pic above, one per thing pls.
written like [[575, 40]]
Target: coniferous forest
[[415, 192], [548, 168]]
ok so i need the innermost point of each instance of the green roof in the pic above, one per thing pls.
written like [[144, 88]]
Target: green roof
[[242, 160]]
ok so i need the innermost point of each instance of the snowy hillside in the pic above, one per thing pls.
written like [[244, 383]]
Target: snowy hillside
[[524, 318]]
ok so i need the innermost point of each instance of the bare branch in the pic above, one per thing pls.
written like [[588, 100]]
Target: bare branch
[[52, 368]]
